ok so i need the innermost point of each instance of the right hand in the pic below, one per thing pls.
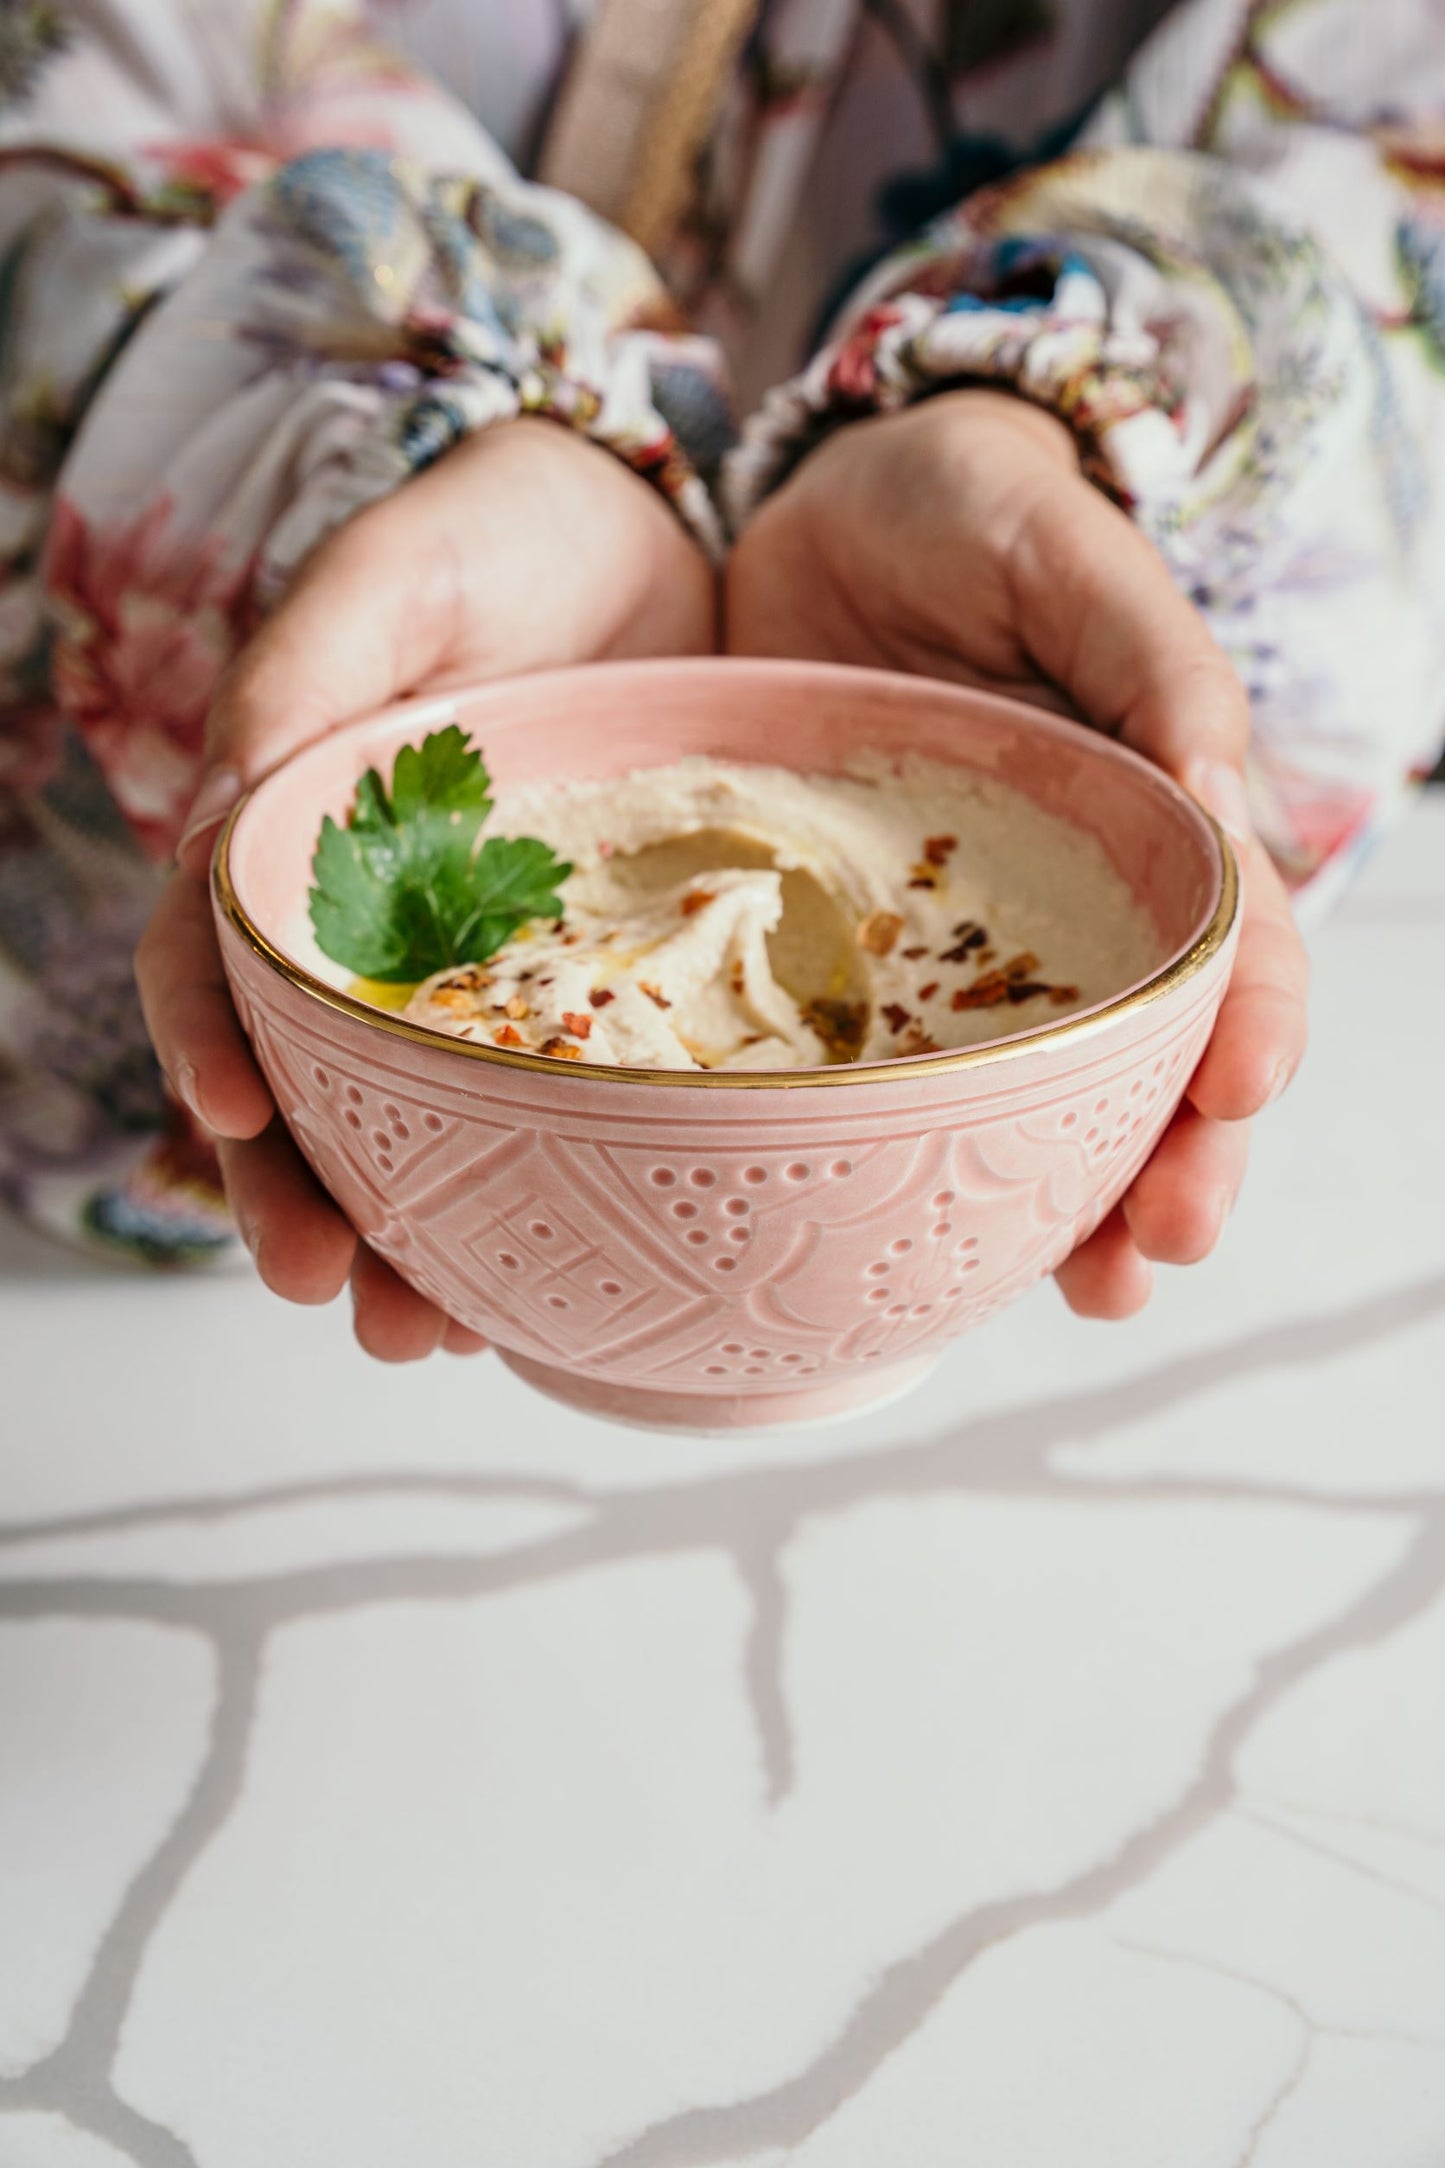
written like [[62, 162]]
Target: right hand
[[524, 548]]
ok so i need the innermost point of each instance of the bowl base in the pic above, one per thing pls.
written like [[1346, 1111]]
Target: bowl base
[[644, 1407]]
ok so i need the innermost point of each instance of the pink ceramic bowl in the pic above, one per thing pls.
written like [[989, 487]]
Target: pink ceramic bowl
[[721, 1249]]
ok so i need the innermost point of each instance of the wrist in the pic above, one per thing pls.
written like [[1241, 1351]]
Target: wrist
[[983, 405]]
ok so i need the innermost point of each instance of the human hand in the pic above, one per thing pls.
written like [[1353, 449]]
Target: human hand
[[524, 548], [958, 539]]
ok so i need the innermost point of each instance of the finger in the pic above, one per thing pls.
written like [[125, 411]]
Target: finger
[[1178, 1205], [1106, 1277], [193, 1027], [1103, 619], [302, 1245], [357, 627], [459, 1340], [1259, 1039], [393, 1322]]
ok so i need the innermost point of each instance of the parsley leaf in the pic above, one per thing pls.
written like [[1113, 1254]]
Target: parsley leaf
[[403, 890]]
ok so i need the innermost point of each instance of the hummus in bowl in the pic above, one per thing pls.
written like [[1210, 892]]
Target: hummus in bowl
[[862, 1116], [721, 915]]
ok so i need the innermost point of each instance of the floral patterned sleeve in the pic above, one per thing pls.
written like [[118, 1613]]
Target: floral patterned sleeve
[[253, 273], [1231, 291]]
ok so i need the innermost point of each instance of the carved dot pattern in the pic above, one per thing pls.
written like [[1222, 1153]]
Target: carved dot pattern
[[555, 1236]]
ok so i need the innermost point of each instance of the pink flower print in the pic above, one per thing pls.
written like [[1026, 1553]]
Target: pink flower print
[[854, 373], [147, 617], [209, 171]]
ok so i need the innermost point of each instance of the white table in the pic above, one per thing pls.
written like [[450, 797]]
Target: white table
[[1047, 1772]]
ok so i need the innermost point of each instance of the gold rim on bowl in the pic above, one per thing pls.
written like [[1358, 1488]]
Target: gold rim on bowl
[[1082, 1025]]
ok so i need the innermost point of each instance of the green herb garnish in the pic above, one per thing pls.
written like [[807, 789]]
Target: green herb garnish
[[403, 889]]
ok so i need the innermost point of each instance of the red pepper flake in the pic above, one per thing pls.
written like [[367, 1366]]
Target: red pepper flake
[[696, 899], [926, 993], [1019, 967], [736, 978], [579, 1026], [913, 954], [600, 996], [918, 1042], [1024, 990], [508, 1036], [896, 1016], [878, 932], [924, 876], [1061, 994], [985, 993], [971, 937], [561, 1049], [654, 994], [939, 849]]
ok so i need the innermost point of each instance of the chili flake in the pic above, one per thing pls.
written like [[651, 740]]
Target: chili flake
[[970, 938], [579, 1026], [600, 996]]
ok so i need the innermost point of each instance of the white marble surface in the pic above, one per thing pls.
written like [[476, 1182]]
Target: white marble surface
[[1047, 1772]]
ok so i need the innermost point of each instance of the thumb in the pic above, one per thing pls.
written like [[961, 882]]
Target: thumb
[[1104, 620], [357, 629]]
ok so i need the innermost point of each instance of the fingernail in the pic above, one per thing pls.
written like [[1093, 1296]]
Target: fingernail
[[1221, 791], [183, 1082], [1280, 1083], [213, 801]]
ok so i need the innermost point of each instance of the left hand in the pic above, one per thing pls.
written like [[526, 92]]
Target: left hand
[[959, 539]]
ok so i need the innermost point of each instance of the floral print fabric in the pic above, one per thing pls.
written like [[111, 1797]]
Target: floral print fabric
[[256, 267]]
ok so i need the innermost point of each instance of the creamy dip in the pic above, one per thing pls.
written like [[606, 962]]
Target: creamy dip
[[722, 916]]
